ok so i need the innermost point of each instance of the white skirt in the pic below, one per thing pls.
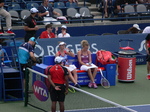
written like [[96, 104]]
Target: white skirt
[[84, 67], [71, 67]]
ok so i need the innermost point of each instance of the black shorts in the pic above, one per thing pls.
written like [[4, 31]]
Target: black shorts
[[58, 95], [148, 58]]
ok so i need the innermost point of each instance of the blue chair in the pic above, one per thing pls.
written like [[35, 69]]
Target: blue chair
[[14, 6], [31, 5], [59, 5], [7, 58], [68, 5]]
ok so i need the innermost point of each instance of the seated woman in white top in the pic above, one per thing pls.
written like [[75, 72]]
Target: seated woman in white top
[[63, 53], [63, 32]]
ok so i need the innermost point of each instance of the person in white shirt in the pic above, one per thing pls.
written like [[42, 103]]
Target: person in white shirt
[[146, 29], [63, 32]]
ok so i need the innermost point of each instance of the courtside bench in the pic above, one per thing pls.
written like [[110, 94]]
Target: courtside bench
[[109, 70]]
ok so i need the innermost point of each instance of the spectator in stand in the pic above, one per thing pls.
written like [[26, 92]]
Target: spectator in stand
[[7, 16], [63, 32], [134, 29], [146, 29], [106, 3], [63, 53], [85, 60], [143, 1], [47, 13], [119, 3], [73, 1], [48, 33], [30, 25]]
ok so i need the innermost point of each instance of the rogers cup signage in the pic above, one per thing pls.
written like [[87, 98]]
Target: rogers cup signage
[[40, 90]]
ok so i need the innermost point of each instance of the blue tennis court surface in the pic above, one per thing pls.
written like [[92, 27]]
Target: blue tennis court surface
[[141, 108], [138, 108]]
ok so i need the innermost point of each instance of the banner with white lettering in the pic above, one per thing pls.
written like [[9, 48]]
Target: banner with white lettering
[[106, 42]]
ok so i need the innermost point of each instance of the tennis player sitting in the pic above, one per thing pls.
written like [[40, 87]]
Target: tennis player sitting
[[63, 52], [85, 60], [58, 76]]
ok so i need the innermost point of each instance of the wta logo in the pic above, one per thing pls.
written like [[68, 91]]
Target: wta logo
[[40, 90]]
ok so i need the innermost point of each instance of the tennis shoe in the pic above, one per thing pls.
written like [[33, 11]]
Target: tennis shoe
[[10, 32], [148, 77], [1, 33], [77, 85], [95, 86], [90, 85]]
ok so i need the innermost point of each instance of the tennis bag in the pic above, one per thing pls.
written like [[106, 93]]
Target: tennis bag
[[105, 57]]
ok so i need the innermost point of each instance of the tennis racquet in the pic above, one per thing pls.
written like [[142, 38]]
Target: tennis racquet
[[104, 82]]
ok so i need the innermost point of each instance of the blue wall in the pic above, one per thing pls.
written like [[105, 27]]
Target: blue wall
[[83, 30], [107, 42]]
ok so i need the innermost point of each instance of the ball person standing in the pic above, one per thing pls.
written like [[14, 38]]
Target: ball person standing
[[58, 76]]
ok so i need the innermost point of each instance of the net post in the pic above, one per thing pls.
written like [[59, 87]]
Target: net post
[[26, 87]]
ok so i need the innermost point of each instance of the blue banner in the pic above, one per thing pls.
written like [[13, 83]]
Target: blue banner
[[106, 42]]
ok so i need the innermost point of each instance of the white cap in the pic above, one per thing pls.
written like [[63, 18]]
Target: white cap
[[136, 26], [64, 26], [58, 59], [33, 10], [62, 43]]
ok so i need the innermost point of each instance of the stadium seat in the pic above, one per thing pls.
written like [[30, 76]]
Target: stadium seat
[[59, 11], [91, 35], [68, 5], [24, 14], [142, 11], [61, 17], [73, 14], [14, 16], [14, 6], [31, 5], [86, 14], [59, 5], [122, 32], [130, 12], [108, 34]]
